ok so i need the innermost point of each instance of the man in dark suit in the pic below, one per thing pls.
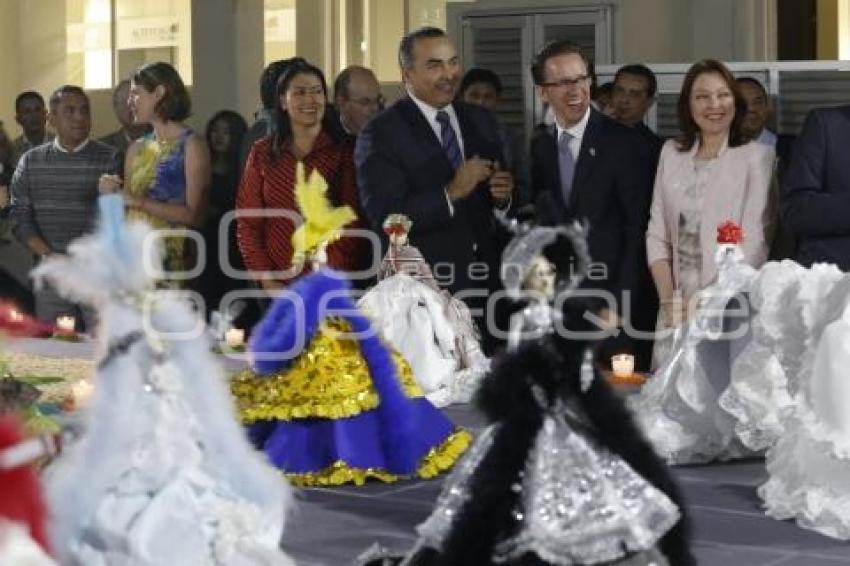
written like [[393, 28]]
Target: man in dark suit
[[438, 161], [816, 189], [634, 91], [755, 127], [591, 168]]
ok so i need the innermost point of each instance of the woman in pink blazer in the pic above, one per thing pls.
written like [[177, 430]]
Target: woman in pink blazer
[[709, 174]]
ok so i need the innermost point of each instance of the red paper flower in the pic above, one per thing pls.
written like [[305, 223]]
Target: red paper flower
[[16, 323], [729, 233]]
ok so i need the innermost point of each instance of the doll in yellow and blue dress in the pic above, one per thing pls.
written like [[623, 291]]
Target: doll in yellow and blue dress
[[329, 403]]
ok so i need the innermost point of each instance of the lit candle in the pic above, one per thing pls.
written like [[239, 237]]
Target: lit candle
[[66, 324], [82, 391], [234, 337], [623, 365]]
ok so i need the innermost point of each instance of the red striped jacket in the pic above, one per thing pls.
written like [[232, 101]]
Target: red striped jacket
[[266, 243]]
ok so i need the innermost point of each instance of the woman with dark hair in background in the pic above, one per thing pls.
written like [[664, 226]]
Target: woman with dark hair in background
[[168, 170], [224, 134], [304, 132]]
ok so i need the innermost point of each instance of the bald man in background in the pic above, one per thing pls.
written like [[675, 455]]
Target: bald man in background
[[129, 131], [357, 97]]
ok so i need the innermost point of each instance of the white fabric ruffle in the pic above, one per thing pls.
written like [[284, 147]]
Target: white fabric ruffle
[[434, 333], [678, 408], [809, 466], [758, 386]]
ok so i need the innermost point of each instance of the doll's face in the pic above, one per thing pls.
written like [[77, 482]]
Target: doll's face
[[399, 238], [541, 278]]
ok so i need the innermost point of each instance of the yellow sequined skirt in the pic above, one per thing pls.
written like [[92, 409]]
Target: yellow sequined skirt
[[329, 380], [316, 420]]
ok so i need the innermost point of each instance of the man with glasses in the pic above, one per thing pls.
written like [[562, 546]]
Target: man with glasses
[[590, 168], [357, 96]]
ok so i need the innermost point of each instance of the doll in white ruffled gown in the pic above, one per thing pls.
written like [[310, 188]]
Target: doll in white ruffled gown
[[431, 329], [679, 407], [809, 464], [792, 305], [163, 473]]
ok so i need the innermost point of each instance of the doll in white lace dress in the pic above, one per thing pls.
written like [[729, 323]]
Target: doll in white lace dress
[[431, 329]]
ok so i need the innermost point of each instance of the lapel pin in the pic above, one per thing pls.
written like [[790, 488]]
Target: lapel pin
[[592, 151]]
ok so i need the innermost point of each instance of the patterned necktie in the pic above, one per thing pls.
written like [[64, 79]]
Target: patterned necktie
[[566, 165], [449, 140]]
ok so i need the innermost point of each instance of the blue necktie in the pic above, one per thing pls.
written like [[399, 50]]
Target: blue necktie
[[566, 165], [449, 140]]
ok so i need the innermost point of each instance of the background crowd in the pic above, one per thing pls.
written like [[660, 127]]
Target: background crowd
[[440, 156]]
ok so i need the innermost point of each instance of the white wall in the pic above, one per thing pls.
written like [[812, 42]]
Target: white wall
[[9, 64], [227, 58]]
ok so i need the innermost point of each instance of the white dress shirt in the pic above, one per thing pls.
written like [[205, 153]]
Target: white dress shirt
[[576, 131], [430, 114]]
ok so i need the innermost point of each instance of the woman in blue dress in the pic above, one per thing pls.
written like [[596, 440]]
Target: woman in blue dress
[[168, 170]]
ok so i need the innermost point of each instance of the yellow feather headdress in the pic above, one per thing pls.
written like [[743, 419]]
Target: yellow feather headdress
[[322, 222]]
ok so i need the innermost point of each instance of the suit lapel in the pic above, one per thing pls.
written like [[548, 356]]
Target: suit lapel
[[419, 123], [468, 131]]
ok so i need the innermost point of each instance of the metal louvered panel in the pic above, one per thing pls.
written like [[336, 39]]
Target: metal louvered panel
[[500, 50], [666, 120], [795, 88], [583, 35], [801, 91]]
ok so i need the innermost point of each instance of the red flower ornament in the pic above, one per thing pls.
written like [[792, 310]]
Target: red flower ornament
[[729, 233]]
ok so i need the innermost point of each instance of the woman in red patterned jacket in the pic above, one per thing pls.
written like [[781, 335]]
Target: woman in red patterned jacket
[[267, 212]]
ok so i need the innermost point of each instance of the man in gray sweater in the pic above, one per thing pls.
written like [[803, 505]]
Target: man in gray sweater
[[54, 191]]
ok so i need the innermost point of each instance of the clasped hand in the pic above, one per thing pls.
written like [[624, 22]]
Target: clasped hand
[[476, 170]]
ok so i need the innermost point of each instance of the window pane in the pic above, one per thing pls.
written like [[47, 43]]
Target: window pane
[[89, 43], [151, 31], [279, 17]]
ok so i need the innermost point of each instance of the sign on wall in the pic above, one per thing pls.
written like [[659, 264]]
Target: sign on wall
[[145, 33]]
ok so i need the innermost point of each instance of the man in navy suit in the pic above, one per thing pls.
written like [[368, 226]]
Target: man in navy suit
[[439, 161], [816, 189], [590, 168]]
